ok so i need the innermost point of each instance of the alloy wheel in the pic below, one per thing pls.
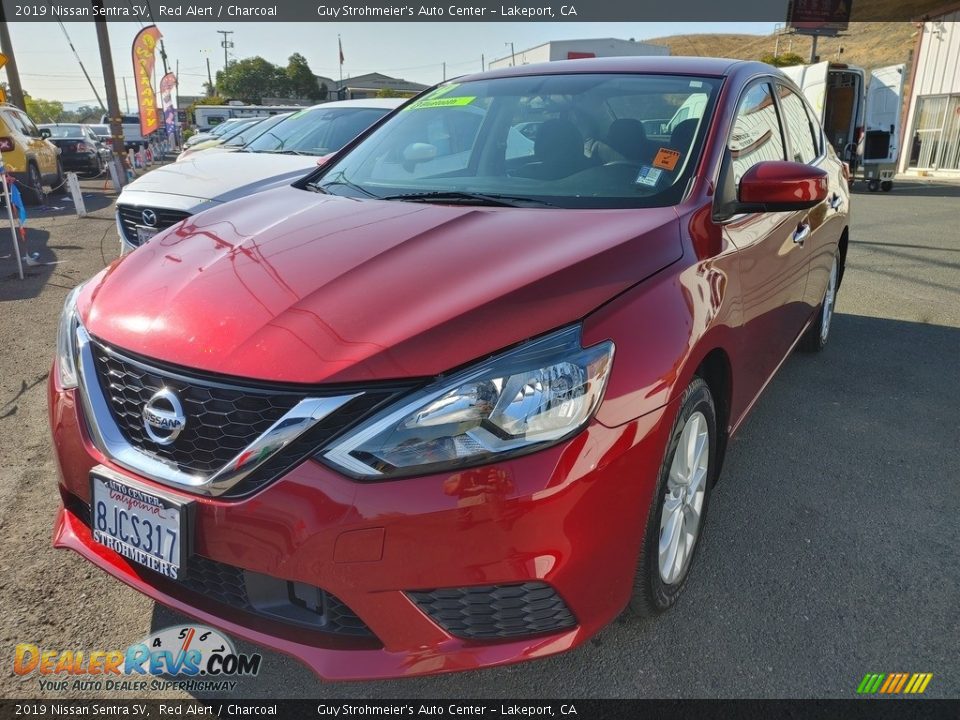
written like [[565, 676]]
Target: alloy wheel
[[683, 504]]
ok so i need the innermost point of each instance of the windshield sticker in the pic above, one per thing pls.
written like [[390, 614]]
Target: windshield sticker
[[442, 102], [648, 176], [666, 159]]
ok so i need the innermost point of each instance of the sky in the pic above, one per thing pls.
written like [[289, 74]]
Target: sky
[[413, 51]]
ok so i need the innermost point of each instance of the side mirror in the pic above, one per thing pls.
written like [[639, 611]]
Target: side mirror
[[45, 133], [779, 185]]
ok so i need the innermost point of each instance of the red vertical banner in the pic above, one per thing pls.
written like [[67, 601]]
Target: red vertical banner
[[144, 58]]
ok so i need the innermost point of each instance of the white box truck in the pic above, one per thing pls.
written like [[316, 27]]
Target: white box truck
[[860, 115]]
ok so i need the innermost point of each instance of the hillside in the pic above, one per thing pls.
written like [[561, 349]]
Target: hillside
[[867, 44]]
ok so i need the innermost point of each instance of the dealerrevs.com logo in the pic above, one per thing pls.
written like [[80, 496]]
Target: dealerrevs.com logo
[[188, 657]]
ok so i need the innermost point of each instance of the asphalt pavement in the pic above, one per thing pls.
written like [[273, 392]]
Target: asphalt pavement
[[833, 538]]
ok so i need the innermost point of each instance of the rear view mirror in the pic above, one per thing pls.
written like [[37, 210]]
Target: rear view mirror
[[45, 133], [419, 152], [779, 185]]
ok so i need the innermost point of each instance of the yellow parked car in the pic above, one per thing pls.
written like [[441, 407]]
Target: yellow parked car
[[32, 159]]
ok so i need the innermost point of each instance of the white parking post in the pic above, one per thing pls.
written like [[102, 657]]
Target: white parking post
[[74, 186], [117, 172], [13, 229]]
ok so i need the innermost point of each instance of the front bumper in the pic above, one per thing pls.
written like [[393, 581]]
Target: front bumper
[[571, 516]]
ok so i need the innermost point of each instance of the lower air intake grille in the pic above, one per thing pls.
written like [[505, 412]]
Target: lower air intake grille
[[290, 602], [496, 611]]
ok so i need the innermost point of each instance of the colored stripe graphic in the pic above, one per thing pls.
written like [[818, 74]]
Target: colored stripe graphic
[[894, 683]]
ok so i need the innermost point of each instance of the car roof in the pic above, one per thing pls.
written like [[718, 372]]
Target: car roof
[[671, 65], [388, 103]]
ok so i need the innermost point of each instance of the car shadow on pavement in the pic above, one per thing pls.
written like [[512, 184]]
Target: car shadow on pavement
[[60, 203], [35, 276], [830, 549]]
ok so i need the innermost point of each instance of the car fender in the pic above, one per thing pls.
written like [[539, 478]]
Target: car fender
[[664, 328]]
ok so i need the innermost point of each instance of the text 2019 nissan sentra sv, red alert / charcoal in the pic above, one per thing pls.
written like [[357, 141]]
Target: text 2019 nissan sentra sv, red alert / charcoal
[[458, 398]]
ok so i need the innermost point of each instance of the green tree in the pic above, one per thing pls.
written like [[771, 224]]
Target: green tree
[[784, 60], [252, 79], [303, 83], [43, 111]]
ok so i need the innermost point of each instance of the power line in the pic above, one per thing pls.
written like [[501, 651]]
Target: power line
[[80, 63]]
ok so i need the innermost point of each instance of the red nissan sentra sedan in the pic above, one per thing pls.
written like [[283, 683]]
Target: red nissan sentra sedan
[[458, 398]]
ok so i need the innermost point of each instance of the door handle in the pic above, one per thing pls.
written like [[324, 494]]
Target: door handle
[[836, 202], [801, 233]]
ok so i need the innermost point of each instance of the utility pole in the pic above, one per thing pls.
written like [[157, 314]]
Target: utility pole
[[513, 55], [126, 97], [13, 75], [483, 63], [211, 89], [109, 80], [225, 44]]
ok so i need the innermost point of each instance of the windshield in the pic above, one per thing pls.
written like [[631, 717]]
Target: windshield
[[238, 127], [64, 131], [578, 140], [252, 132], [317, 131]]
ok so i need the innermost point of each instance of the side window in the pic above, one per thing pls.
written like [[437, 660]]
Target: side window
[[756, 134], [802, 138], [16, 122], [28, 127]]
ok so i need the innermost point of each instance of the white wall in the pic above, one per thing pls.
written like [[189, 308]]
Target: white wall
[[600, 47], [937, 70]]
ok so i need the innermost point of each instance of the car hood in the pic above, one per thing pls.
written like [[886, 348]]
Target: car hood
[[221, 176], [304, 287]]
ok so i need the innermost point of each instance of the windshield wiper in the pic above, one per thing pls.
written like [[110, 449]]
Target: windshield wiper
[[339, 179], [469, 198]]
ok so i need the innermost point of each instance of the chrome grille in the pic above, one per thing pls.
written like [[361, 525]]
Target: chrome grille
[[132, 215], [222, 418]]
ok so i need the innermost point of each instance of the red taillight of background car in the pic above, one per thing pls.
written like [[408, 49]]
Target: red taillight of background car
[[6, 144]]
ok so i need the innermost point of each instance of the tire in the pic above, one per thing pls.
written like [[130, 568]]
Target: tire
[[658, 581], [816, 337], [886, 185], [61, 177], [32, 188], [873, 185]]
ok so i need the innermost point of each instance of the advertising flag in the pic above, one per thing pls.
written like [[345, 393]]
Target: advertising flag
[[144, 58], [167, 84]]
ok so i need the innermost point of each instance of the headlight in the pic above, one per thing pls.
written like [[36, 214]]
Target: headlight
[[523, 400], [67, 341]]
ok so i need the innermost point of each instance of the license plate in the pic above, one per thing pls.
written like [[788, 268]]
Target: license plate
[[142, 525], [145, 233]]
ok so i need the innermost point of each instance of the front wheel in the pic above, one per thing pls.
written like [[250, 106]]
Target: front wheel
[[680, 504], [886, 185], [815, 339]]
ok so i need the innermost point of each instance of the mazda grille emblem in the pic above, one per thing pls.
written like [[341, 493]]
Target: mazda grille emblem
[[149, 217], [163, 417]]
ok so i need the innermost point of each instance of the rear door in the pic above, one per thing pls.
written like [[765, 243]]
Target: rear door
[[44, 151], [882, 121], [812, 80]]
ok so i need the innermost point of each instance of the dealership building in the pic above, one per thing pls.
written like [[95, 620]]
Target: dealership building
[[932, 143], [575, 49]]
